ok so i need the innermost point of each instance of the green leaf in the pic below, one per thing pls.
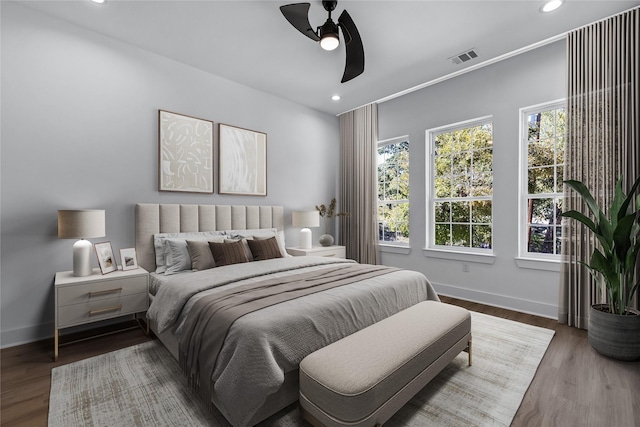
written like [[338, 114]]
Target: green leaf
[[627, 201], [621, 237], [605, 228], [632, 257], [615, 211], [635, 288], [583, 191], [578, 216], [604, 266]]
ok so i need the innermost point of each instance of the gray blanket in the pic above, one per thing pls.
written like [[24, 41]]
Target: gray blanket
[[264, 346], [211, 317]]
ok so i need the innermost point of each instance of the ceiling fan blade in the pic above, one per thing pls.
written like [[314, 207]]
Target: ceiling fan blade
[[354, 65], [298, 15]]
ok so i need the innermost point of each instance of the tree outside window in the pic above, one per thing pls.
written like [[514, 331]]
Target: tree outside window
[[544, 142], [462, 186], [393, 192]]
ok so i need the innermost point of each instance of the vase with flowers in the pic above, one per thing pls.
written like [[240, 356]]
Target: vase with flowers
[[328, 213]]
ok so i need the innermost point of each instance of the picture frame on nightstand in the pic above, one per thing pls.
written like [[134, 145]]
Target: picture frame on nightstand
[[106, 259], [128, 259]]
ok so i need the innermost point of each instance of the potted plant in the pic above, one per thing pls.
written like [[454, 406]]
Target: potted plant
[[614, 327], [328, 212]]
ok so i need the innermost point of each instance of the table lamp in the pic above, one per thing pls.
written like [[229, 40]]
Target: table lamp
[[81, 224], [304, 220]]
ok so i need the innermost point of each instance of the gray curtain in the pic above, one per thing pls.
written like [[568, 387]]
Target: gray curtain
[[359, 183], [603, 125]]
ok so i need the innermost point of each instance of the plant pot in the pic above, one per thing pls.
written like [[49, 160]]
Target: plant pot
[[326, 240], [614, 335]]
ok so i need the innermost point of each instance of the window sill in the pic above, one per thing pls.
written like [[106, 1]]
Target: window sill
[[539, 264], [395, 249], [459, 256]]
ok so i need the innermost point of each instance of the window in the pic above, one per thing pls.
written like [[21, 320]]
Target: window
[[543, 142], [393, 191], [460, 203]]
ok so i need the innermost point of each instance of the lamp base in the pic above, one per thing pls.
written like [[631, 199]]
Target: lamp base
[[305, 238], [82, 258]]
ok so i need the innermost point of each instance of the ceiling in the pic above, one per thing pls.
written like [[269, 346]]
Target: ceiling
[[407, 43]]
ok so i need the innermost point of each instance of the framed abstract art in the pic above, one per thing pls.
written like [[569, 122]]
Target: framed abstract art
[[185, 153], [242, 161]]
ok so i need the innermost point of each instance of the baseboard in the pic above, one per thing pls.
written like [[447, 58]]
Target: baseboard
[[495, 300], [19, 336], [44, 331]]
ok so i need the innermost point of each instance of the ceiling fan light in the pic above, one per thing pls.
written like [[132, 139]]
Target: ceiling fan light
[[329, 42], [329, 35]]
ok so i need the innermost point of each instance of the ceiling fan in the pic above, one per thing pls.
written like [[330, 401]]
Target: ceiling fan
[[327, 34]]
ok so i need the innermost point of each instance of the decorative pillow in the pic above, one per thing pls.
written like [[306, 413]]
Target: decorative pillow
[[264, 248], [201, 258], [228, 253], [160, 247], [177, 256], [262, 233], [247, 249]]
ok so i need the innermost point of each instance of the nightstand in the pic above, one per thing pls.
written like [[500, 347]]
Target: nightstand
[[335, 251], [82, 300]]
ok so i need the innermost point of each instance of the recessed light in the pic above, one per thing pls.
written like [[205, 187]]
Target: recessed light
[[99, 1], [551, 5], [336, 97]]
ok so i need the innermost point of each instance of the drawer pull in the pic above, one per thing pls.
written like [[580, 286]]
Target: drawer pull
[[106, 291], [329, 256], [104, 310]]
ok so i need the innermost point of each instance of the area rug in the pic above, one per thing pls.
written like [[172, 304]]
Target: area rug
[[142, 386]]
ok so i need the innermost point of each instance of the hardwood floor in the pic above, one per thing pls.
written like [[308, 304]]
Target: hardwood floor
[[574, 386], [26, 370]]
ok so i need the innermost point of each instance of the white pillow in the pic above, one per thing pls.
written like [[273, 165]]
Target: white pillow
[[162, 249]]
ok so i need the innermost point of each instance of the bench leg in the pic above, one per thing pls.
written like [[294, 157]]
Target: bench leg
[[468, 350]]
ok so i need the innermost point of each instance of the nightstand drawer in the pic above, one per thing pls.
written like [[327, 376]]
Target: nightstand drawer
[[330, 252], [78, 314], [101, 290], [335, 251]]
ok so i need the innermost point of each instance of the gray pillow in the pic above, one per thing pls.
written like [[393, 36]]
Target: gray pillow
[[264, 233], [201, 257], [177, 258], [162, 250]]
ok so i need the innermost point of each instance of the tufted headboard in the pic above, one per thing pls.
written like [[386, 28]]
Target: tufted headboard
[[175, 218]]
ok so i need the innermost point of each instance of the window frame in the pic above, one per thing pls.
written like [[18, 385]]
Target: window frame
[[481, 255], [399, 247], [526, 259]]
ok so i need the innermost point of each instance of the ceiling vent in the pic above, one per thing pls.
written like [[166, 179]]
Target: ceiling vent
[[464, 56]]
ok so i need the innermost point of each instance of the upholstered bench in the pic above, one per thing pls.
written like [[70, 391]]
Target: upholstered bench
[[365, 378]]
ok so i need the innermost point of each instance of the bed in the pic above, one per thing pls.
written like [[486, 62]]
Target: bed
[[255, 371]]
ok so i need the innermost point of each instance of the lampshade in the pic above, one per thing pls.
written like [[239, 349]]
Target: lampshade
[[80, 224], [305, 219]]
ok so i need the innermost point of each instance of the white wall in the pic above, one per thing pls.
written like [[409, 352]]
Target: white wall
[[79, 130], [499, 90]]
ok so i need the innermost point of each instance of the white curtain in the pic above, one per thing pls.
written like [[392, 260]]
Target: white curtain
[[603, 140], [359, 183]]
